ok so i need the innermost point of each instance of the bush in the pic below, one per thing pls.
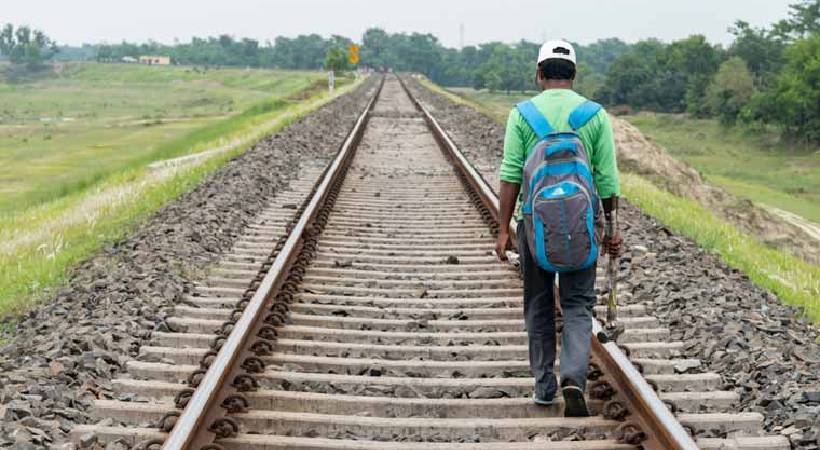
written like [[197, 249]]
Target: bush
[[730, 90]]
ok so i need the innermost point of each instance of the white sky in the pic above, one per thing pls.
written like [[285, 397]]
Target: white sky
[[93, 21]]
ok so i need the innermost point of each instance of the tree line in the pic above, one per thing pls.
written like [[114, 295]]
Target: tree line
[[766, 76]]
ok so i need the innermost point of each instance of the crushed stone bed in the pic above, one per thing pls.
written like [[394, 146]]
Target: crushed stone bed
[[764, 350], [62, 356]]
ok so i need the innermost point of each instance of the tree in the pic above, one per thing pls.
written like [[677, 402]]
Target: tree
[[731, 89], [794, 103], [336, 60], [25, 46], [697, 61], [803, 21], [760, 49]]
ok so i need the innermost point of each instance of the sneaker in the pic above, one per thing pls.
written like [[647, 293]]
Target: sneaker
[[574, 403], [541, 401]]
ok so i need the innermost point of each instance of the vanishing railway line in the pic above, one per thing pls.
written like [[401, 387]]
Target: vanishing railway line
[[368, 311]]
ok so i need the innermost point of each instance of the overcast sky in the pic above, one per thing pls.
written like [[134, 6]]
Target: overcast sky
[[584, 21]]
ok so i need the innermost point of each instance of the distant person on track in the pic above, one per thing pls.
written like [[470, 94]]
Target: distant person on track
[[568, 178]]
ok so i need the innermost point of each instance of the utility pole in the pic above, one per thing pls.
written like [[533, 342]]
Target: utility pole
[[461, 36]]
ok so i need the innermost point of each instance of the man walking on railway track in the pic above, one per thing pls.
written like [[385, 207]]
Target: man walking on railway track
[[560, 147]]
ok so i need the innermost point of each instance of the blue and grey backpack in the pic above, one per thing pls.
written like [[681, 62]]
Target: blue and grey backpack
[[561, 208]]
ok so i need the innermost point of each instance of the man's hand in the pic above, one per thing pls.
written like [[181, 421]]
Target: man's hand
[[612, 245], [509, 193], [502, 243]]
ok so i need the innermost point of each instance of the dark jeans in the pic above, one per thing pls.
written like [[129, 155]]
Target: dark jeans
[[577, 292]]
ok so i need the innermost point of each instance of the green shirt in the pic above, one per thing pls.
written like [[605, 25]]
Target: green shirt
[[556, 105]]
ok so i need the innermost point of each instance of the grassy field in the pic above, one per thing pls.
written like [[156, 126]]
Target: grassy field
[[495, 104], [66, 133], [753, 165], [792, 279], [93, 188]]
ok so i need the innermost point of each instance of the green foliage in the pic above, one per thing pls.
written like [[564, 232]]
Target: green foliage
[[803, 20], [759, 48], [777, 85], [731, 89], [25, 46], [336, 60], [643, 79], [793, 103], [663, 77]]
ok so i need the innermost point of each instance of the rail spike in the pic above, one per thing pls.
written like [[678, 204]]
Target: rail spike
[[149, 444], [615, 410], [245, 383], [224, 427], [167, 422], [236, 403], [182, 398], [630, 434]]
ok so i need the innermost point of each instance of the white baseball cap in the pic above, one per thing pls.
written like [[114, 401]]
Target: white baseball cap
[[557, 49]]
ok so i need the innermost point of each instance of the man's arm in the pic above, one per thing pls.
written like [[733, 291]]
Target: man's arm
[[605, 168], [509, 195], [511, 171]]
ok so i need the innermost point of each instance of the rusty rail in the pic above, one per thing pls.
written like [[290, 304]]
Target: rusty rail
[[194, 427], [648, 414]]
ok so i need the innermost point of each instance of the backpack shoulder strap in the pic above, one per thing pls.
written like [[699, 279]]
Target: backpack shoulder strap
[[583, 113], [534, 118]]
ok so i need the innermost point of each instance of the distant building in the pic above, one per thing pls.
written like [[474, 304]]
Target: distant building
[[155, 60], [129, 59]]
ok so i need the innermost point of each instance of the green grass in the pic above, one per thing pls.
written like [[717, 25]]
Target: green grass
[[792, 279], [495, 104], [750, 164], [66, 133], [38, 244]]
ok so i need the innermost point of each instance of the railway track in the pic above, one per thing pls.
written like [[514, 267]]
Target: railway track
[[366, 311]]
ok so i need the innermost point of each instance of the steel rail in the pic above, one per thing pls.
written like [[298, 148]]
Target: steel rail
[[190, 430], [663, 431]]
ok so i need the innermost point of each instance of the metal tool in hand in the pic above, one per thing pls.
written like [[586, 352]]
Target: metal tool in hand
[[612, 329], [612, 269]]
